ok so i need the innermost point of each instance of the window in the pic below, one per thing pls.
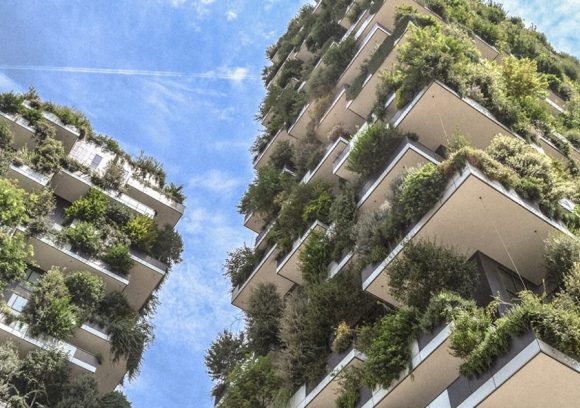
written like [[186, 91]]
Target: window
[[510, 281], [17, 303], [96, 161]]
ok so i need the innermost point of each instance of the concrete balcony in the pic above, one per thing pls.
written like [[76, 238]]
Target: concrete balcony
[[340, 164], [325, 392], [23, 131], [289, 266], [255, 222], [303, 54], [72, 186], [433, 369], [80, 361], [48, 253], [355, 27], [145, 276], [337, 267], [299, 129], [477, 214], [338, 115], [267, 118], [363, 103], [373, 40], [378, 191], [262, 238], [437, 112], [556, 104], [27, 178], [262, 158], [531, 374], [67, 134], [324, 170], [167, 211], [265, 272]]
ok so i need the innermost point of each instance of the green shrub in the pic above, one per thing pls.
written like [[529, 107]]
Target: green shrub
[[240, 264], [373, 148], [14, 255], [119, 258], [86, 291], [13, 204], [343, 216], [390, 352], [118, 214], [224, 354], [115, 399], [49, 311], [315, 258], [561, 254], [350, 381], [263, 319], [263, 195], [6, 136], [168, 246], [91, 207], [48, 156], [343, 336], [84, 237], [254, 384], [11, 102], [142, 231], [424, 269], [113, 177]]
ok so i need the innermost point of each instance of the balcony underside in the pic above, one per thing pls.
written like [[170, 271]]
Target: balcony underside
[[374, 39], [255, 222], [166, 211], [264, 157], [28, 179], [23, 133], [299, 129], [476, 214], [411, 155], [289, 267], [264, 273], [338, 115], [324, 171]]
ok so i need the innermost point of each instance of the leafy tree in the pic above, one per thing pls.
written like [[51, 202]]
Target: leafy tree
[[6, 136], [84, 237], [86, 291], [239, 265], [315, 258], [49, 311], [424, 270], [81, 392], [113, 177], [263, 319], [14, 255], [13, 204], [114, 399], [561, 254], [48, 156], [522, 78], [224, 354], [254, 384], [168, 246]]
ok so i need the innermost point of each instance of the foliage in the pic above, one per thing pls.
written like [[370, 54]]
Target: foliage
[[343, 214], [48, 155], [119, 258], [304, 204], [343, 336], [91, 207], [70, 116], [115, 399], [336, 59], [240, 264], [113, 177], [81, 392], [263, 319], [315, 257], [6, 136], [263, 195], [10, 102], [224, 354], [561, 254], [350, 380], [14, 254], [86, 291], [390, 351], [142, 231], [424, 269], [13, 202], [83, 237], [373, 148], [168, 247], [149, 168], [253, 384], [49, 311]]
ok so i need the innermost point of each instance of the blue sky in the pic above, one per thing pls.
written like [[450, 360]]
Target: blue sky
[[200, 128]]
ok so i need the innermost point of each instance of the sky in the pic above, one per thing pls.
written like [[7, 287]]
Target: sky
[[179, 80]]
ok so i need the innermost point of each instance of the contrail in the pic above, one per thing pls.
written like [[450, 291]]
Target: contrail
[[237, 74]]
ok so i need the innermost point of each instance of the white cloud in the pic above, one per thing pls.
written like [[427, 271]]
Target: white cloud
[[215, 181], [238, 74], [231, 15]]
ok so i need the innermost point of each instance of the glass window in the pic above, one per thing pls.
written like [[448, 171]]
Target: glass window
[[96, 161], [17, 302]]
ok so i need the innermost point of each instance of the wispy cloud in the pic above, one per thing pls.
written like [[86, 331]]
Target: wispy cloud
[[236, 74], [215, 181], [231, 15]]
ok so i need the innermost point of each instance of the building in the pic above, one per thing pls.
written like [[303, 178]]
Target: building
[[55, 154], [349, 110]]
